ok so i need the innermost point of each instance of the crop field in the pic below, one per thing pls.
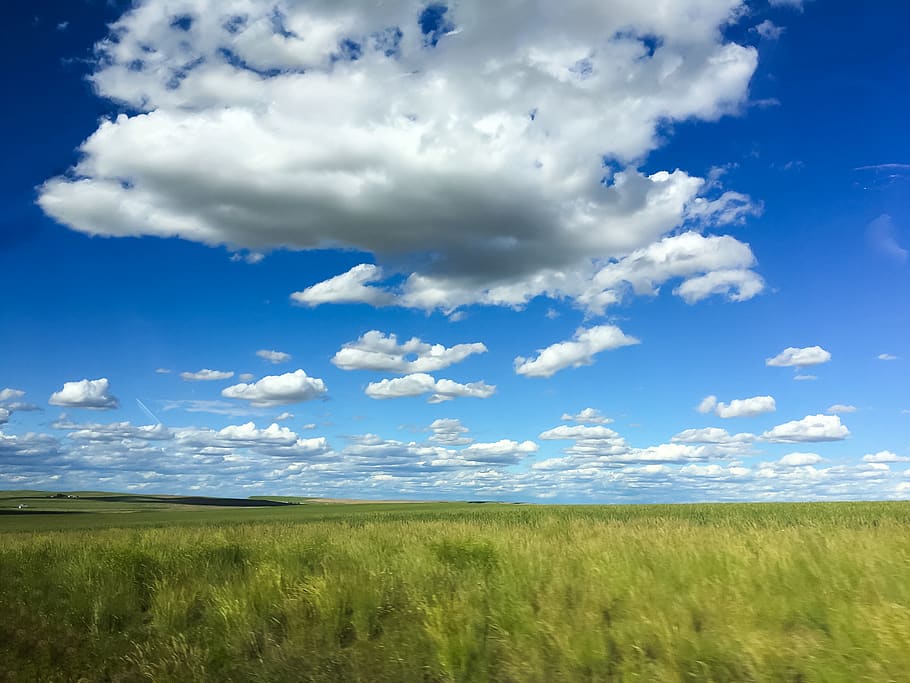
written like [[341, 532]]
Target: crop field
[[118, 588]]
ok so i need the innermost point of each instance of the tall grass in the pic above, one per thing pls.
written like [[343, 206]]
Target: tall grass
[[683, 593]]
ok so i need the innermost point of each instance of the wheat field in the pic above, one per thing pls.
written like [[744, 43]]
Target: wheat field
[[775, 592]]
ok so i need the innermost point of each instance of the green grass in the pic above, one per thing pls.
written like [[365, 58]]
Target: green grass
[[459, 592]]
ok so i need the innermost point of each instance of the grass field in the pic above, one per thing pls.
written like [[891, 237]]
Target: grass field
[[152, 590]]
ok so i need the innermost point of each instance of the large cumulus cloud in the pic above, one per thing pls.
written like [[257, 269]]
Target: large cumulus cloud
[[489, 153]]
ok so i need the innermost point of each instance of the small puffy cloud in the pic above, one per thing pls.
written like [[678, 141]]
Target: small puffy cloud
[[4, 416], [248, 435], [840, 408], [9, 394], [449, 432], [884, 456], [20, 407], [420, 383], [708, 265], [87, 393], [251, 257], [579, 432], [738, 407], [276, 390], [378, 351], [587, 416], [799, 357], [713, 435], [881, 234], [284, 416], [586, 343], [206, 375], [708, 403], [274, 357], [349, 287], [504, 451], [811, 428], [805, 378], [746, 407], [769, 30], [162, 371], [736, 285], [887, 356], [799, 459], [245, 376]]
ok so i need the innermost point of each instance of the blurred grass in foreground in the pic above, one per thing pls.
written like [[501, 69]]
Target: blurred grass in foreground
[[460, 592]]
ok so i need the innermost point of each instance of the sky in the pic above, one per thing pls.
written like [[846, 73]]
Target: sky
[[571, 252]]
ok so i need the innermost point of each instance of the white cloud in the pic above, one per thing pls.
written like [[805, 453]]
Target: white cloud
[[377, 351], [250, 257], [746, 407], [206, 375], [587, 342], [708, 265], [284, 416], [86, 393], [248, 434], [578, 432], [738, 407], [597, 464], [799, 358], [4, 416], [707, 405], [884, 456], [736, 285], [449, 432], [840, 408], [227, 443], [887, 356], [475, 166], [809, 429], [587, 416], [162, 371], [713, 471], [114, 432], [20, 407], [714, 435], [794, 4], [502, 451], [799, 459], [769, 30], [276, 390], [882, 236], [804, 378], [273, 356], [245, 376], [349, 287], [9, 394], [420, 383]]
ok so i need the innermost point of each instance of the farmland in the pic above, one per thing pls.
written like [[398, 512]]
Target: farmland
[[121, 588]]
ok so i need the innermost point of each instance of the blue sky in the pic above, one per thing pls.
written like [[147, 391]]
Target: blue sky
[[499, 253]]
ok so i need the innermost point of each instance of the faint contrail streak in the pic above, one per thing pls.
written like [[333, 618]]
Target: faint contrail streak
[[147, 411]]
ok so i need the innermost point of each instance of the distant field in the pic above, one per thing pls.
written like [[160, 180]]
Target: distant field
[[118, 588]]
